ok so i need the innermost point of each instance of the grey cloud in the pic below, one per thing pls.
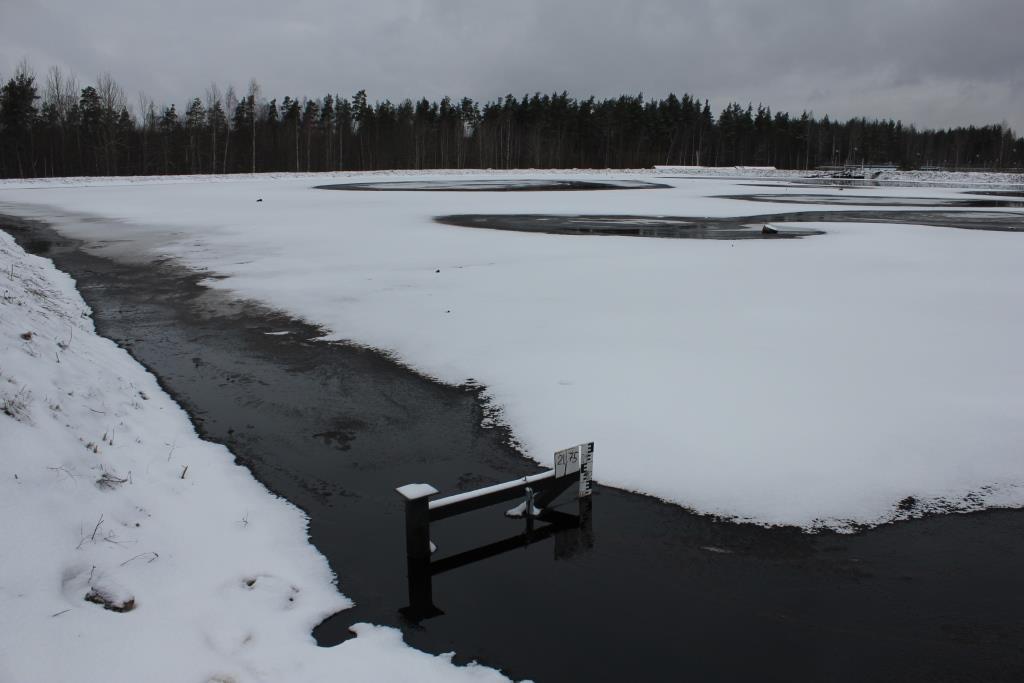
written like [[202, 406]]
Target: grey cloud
[[937, 62]]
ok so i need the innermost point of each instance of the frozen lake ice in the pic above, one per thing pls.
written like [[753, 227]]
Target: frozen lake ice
[[814, 382]]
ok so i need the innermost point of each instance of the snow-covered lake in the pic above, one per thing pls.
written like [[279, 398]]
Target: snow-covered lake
[[815, 382]]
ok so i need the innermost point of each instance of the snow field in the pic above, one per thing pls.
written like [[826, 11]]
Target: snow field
[[854, 378], [133, 550]]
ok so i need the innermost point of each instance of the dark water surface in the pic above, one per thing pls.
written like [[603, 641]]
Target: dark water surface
[[626, 226], [744, 227], [495, 185], [876, 200], [998, 193], [652, 593]]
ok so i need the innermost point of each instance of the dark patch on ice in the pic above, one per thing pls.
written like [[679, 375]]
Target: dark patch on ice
[[342, 434], [743, 227], [337, 439], [872, 200], [495, 185], [627, 226], [998, 193]]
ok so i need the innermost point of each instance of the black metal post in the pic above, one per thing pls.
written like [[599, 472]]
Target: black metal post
[[573, 466], [417, 549], [417, 529]]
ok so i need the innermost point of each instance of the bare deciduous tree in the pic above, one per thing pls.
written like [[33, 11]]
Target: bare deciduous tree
[[252, 98], [215, 119], [230, 103], [147, 114], [112, 102], [61, 92]]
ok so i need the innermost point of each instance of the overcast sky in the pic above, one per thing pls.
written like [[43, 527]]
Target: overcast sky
[[933, 62]]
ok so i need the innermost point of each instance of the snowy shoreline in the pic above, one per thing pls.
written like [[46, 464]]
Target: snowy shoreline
[[139, 550], [940, 178]]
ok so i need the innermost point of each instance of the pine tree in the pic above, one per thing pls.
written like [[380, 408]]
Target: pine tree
[[195, 117], [18, 115], [215, 122], [169, 127]]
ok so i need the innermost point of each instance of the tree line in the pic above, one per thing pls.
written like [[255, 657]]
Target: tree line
[[57, 128]]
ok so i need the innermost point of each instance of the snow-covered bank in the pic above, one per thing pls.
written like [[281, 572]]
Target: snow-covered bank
[[134, 550], [869, 374], [964, 178]]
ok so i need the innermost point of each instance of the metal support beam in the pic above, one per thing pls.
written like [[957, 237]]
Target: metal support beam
[[443, 508], [572, 466]]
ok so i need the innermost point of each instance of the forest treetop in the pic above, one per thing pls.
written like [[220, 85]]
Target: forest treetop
[[57, 128]]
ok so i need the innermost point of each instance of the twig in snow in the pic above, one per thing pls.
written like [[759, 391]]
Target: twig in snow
[[65, 611], [184, 471], [111, 481], [61, 469], [151, 559], [111, 537], [95, 529], [17, 406]]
